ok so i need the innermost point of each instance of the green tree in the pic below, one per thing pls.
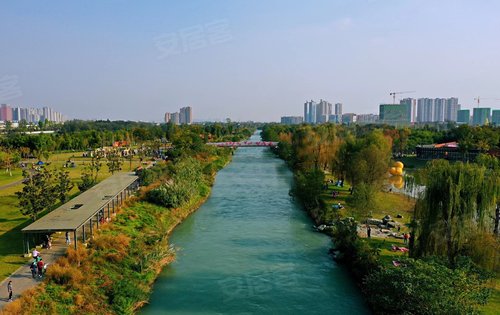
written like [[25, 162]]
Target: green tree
[[8, 160], [114, 162], [90, 174], [37, 194], [63, 185], [459, 202]]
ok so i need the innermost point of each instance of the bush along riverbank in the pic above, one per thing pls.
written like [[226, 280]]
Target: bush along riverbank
[[449, 263], [115, 272]]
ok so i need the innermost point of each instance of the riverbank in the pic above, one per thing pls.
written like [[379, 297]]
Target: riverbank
[[251, 249], [115, 272]]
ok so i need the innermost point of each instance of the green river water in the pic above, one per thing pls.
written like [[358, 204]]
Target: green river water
[[251, 249]]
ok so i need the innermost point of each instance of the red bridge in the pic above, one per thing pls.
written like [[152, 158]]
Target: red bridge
[[245, 144]]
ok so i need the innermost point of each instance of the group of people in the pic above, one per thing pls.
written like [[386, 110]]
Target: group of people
[[37, 267]]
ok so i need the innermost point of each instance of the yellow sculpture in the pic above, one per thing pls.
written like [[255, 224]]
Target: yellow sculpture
[[397, 169], [397, 181]]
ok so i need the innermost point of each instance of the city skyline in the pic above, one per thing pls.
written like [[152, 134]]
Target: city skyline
[[15, 113], [236, 60]]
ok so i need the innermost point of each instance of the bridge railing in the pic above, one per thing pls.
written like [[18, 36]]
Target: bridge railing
[[244, 144]]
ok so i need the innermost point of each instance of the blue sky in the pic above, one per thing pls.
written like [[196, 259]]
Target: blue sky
[[247, 60]]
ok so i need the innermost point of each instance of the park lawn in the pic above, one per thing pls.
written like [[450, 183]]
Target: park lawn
[[494, 302], [11, 246], [386, 255], [5, 178], [12, 221], [386, 203]]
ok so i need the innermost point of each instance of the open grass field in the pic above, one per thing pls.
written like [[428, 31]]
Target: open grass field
[[11, 219]]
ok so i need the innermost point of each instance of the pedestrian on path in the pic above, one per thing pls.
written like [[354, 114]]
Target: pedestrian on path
[[35, 253], [369, 231], [68, 240], [9, 290], [40, 268], [34, 269]]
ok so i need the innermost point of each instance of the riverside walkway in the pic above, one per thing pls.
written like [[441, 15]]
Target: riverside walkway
[[22, 279]]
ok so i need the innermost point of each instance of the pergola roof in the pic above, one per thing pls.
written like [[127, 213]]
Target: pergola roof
[[73, 214]]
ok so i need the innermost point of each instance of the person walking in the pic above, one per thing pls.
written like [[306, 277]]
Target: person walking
[[405, 238], [369, 231], [34, 269], [68, 240], [40, 268], [9, 290]]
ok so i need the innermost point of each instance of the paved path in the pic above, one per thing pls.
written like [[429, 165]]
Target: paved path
[[22, 279]]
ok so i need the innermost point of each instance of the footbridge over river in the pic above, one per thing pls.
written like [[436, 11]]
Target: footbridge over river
[[240, 144]]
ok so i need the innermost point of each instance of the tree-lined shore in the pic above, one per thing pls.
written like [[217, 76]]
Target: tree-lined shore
[[449, 263]]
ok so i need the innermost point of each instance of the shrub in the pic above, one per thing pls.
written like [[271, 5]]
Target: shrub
[[67, 275], [425, 287]]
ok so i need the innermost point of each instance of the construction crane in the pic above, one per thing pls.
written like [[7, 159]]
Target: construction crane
[[393, 94], [478, 99]]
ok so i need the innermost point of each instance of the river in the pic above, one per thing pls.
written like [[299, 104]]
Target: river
[[250, 249]]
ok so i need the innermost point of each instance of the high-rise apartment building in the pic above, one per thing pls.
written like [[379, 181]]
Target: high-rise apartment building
[[481, 116], [185, 115], [439, 105], [310, 112], [30, 115], [495, 117], [411, 105], [451, 109], [323, 110], [5, 112], [463, 116], [317, 112], [174, 118], [166, 119], [425, 110], [338, 109]]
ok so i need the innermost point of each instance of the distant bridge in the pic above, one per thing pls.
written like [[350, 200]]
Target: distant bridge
[[244, 144]]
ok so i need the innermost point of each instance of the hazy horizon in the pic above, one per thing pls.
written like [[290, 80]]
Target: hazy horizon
[[244, 60]]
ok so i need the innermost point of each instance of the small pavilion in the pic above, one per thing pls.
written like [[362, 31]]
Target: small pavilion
[[84, 213]]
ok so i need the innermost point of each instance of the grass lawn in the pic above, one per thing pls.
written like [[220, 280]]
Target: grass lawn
[[385, 245], [11, 219], [386, 203], [5, 177], [493, 305]]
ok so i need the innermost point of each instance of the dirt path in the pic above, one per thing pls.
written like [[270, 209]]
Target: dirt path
[[17, 182]]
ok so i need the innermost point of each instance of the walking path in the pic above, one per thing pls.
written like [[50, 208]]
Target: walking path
[[12, 184], [22, 279]]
